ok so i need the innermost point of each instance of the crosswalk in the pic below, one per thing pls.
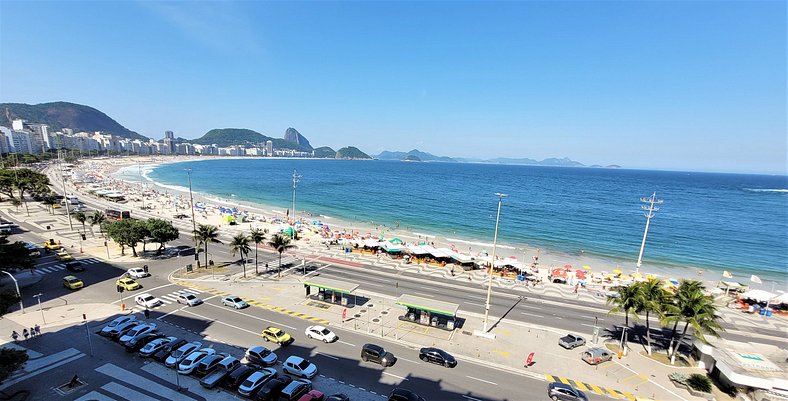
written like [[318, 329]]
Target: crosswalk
[[167, 299], [62, 266]]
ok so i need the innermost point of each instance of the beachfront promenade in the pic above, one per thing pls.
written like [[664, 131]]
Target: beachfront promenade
[[534, 316]]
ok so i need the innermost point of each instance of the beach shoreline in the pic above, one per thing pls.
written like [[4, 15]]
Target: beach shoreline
[[114, 168]]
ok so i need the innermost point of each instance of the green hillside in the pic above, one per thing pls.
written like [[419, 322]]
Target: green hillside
[[224, 137], [324, 152], [59, 115], [351, 152]]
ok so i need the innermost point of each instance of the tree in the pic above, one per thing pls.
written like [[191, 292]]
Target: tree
[[10, 359], [162, 231], [14, 255], [49, 201], [280, 243], [81, 217], [127, 232], [240, 244], [204, 234], [696, 309], [98, 217], [653, 298], [628, 300], [257, 236]]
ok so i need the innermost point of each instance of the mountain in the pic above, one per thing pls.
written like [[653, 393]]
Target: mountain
[[423, 156], [351, 152], [563, 162], [59, 115], [411, 158], [292, 135], [224, 137], [508, 160], [324, 152]]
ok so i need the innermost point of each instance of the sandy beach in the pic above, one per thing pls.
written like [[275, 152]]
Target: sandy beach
[[169, 201]]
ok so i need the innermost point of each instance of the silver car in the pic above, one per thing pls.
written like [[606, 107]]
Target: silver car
[[188, 299]]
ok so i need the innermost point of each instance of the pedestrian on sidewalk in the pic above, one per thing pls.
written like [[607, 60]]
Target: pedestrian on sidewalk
[[147, 313], [32, 332], [14, 335], [38, 329], [26, 334]]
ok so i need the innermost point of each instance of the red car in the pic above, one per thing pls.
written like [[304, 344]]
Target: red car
[[312, 395]]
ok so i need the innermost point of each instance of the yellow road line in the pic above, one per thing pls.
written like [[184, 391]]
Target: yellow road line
[[630, 396], [503, 353], [612, 392], [563, 380], [580, 385], [550, 378], [597, 389]]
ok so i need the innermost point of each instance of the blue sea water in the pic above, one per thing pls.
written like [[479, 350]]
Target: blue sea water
[[731, 222]]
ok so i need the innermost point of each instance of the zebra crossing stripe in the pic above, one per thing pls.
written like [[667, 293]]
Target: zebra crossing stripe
[[597, 389], [563, 380], [550, 378], [630, 396], [58, 268], [612, 392], [46, 270], [580, 385]]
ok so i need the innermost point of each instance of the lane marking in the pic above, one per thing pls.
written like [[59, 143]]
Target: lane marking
[[352, 345], [470, 398], [147, 290], [531, 314], [592, 317], [482, 380], [328, 356], [253, 317], [221, 322], [407, 360], [398, 377], [163, 316], [475, 304], [423, 294], [130, 394]]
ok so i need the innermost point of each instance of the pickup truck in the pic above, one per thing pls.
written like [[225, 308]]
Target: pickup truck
[[226, 366], [571, 341]]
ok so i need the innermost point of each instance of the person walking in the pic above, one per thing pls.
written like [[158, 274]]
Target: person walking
[[38, 329], [32, 332], [26, 334], [147, 313], [14, 335]]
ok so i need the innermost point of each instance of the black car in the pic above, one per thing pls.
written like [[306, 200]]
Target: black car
[[437, 356], [136, 343], [271, 390], [564, 392], [237, 377], [208, 364], [75, 266], [165, 351], [376, 353], [337, 397], [403, 394]]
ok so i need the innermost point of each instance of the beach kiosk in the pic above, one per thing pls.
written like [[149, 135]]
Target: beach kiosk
[[331, 290], [428, 312]]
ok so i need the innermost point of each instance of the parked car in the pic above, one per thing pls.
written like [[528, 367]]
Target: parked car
[[294, 390], [277, 335], [237, 377], [376, 353], [139, 341], [185, 297], [209, 363], [137, 272], [337, 397], [571, 341], [75, 266], [437, 356], [259, 355], [252, 384], [106, 331], [222, 370], [128, 284], [33, 249], [147, 300], [563, 392], [188, 364], [139, 329], [321, 333], [64, 256], [270, 390], [597, 355], [155, 345], [297, 366], [52, 245], [72, 283], [234, 302], [403, 394], [165, 351], [181, 353], [121, 329], [312, 395]]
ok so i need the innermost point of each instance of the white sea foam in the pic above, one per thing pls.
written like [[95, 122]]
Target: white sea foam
[[479, 243], [775, 190]]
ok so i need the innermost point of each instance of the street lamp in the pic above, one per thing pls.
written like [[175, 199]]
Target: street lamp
[[38, 297], [65, 194], [484, 332], [191, 198], [21, 305]]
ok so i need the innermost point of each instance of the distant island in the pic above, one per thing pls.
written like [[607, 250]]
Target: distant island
[[417, 155]]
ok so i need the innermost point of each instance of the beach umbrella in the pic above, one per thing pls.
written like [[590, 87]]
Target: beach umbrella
[[587, 267], [567, 266], [618, 271], [395, 240]]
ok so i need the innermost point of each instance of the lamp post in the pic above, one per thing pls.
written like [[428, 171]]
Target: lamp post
[[191, 198], [484, 332], [65, 194], [139, 166], [295, 182], [21, 305], [38, 297]]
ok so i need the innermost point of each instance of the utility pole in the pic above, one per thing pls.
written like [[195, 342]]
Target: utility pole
[[139, 166], [296, 180], [21, 305], [649, 213], [484, 332], [191, 198], [65, 194]]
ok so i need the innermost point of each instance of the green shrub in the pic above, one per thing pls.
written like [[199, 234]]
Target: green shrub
[[699, 382], [678, 377]]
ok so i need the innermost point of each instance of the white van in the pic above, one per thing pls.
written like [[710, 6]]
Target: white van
[[71, 199]]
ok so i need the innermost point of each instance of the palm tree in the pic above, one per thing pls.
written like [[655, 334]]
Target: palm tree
[[280, 243], [653, 298], [99, 218], [49, 201], [204, 234], [257, 236], [628, 300], [687, 301], [240, 244], [81, 217], [700, 313]]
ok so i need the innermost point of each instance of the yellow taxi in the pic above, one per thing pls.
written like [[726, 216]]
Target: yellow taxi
[[276, 335], [64, 257], [128, 284], [73, 283], [52, 245]]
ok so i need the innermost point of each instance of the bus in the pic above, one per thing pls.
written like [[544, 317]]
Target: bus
[[117, 214]]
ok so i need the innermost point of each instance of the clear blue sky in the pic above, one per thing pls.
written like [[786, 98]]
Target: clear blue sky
[[694, 85]]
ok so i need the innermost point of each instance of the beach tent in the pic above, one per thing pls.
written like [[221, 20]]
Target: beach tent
[[395, 240], [780, 299], [758, 295], [289, 231]]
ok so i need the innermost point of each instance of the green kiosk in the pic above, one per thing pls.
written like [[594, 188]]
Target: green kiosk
[[428, 312], [331, 290]]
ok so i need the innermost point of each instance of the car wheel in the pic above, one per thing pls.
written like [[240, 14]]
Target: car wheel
[[325, 341], [554, 398], [422, 357], [266, 339], [365, 359]]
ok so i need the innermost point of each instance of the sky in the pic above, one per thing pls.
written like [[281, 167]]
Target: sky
[[673, 85]]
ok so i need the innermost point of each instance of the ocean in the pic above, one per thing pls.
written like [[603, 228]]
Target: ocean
[[733, 222]]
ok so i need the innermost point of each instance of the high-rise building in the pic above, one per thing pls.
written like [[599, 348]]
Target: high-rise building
[[269, 148], [169, 134]]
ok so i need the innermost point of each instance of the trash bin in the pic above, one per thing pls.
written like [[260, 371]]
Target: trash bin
[[768, 312]]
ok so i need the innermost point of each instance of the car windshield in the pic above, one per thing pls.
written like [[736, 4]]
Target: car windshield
[[148, 298], [248, 383], [237, 300], [265, 352], [190, 297], [304, 364]]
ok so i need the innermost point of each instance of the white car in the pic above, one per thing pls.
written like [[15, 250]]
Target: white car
[[190, 363], [137, 272], [297, 366], [321, 333], [137, 330], [147, 300], [106, 331], [235, 302], [188, 299], [155, 345], [181, 353]]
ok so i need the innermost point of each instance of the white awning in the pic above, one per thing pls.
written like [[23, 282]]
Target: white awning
[[758, 295], [780, 299]]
